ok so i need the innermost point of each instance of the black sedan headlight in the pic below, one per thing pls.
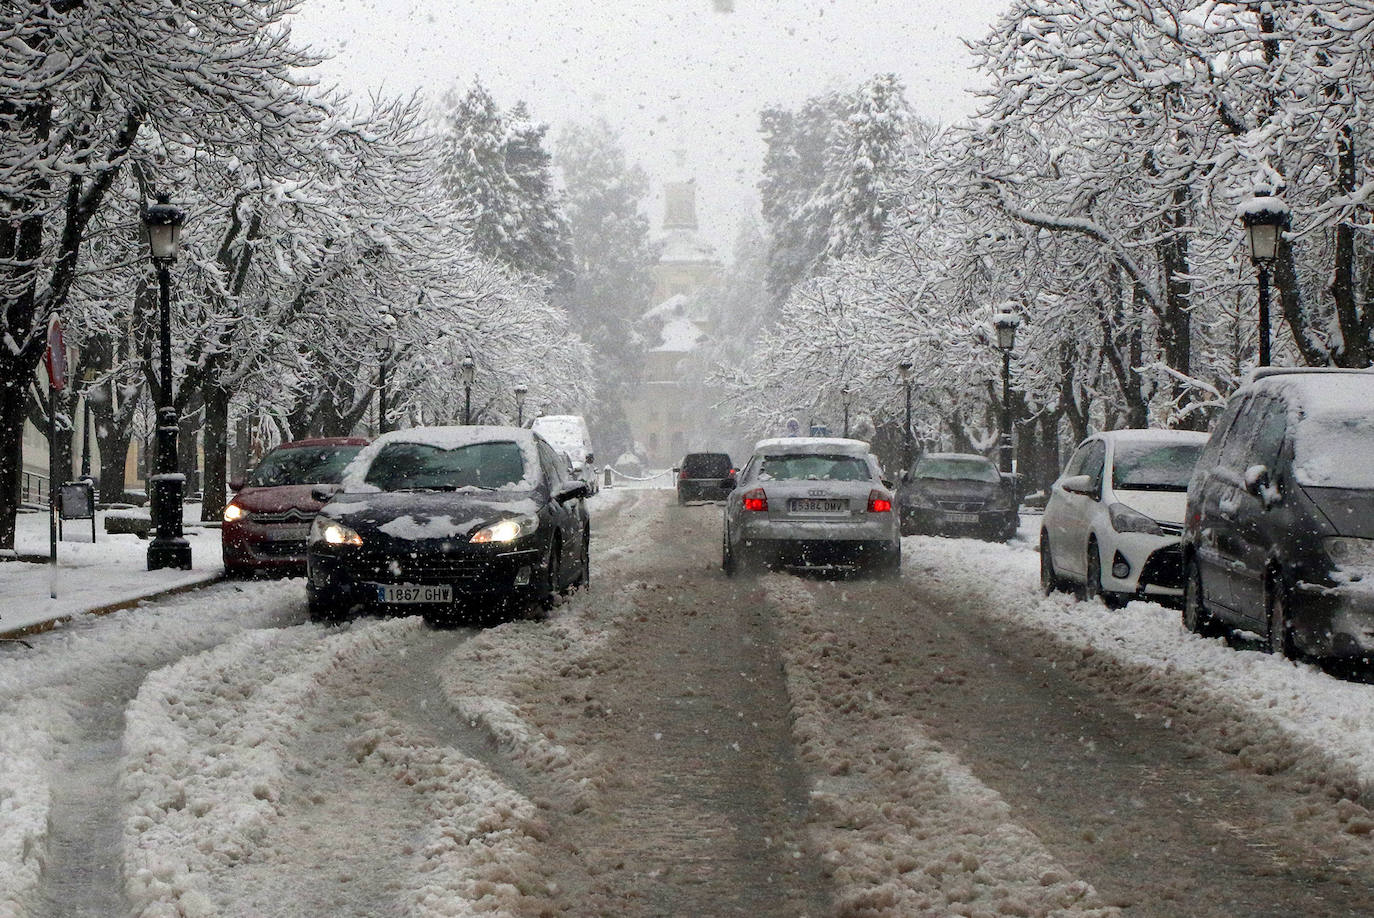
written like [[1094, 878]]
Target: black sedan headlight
[[505, 530], [333, 533], [918, 500]]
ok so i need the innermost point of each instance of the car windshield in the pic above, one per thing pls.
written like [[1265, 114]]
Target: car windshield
[[817, 467], [423, 467], [302, 465], [1154, 466], [952, 469]]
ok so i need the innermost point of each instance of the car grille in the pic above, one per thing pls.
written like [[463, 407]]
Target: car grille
[[281, 549], [432, 569], [292, 515], [962, 506]]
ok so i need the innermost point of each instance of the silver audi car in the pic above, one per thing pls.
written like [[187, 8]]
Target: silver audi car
[[811, 503]]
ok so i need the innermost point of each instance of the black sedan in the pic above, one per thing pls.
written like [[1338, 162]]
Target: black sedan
[[957, 494], [449, 522]]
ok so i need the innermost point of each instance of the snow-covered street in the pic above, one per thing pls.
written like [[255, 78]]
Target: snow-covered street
[[673, 742]]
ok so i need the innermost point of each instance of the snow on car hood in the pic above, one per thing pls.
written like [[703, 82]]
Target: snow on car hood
[[414, 516], [1164, 506]]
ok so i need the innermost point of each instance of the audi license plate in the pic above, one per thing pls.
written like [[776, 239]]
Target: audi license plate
[[961, 517], [409, 593], [816, 505]]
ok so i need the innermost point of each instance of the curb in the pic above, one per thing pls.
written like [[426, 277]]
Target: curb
[[50, 624]]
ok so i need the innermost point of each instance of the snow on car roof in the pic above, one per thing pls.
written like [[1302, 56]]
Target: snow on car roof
[[1323, 391], [840, 445], [446, 438]]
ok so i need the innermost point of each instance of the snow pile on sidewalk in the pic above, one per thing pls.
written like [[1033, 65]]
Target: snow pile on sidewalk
[[903, 826], [1273, 714]]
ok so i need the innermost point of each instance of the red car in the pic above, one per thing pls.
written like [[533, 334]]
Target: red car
[[267, 522]]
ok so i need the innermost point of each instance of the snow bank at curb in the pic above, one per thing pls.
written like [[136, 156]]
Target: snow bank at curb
[[1272, 714], [902, 825]]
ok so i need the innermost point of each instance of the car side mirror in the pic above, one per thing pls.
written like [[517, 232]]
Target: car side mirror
[[904, 477], [236, 484], [323, 492], [1259, 483], [573, 491], [1080, 484], [887, 483]]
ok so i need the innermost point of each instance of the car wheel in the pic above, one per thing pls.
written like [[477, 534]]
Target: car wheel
[[1279, 640], [553, 592], [681, 501], [727, 557], [1092, 580], [1049, 580], [1196, 617], [584, 579], [890, 565], [323, 609]]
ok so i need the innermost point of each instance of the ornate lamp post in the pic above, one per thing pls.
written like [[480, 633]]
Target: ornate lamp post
[[904, 368], [521, 391], [845, 395], [469, 373], [1265, 217], [169, 547], [1006, 322]]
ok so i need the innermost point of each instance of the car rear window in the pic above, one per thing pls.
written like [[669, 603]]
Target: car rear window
[[951, 469], [302, 465], [424, 467], [1154, 466], [706, 465], [817, 467]]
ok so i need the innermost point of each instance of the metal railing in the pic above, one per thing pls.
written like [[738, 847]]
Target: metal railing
[[33, 488]]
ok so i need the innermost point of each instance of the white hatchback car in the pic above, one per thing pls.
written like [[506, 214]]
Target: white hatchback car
[[1113, 521]]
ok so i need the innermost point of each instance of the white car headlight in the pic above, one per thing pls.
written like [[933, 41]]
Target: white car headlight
[[1352, 557], [1124, 519], [507, 530], [332, 532], [233, 513]]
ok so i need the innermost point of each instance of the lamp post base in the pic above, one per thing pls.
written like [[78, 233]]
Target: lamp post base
[[173, 553]]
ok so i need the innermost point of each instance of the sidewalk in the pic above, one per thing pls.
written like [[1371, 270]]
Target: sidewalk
[[109, 575]]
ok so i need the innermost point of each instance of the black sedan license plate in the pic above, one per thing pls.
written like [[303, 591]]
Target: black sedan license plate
[[951, 517], [407, 593], [816, 505]]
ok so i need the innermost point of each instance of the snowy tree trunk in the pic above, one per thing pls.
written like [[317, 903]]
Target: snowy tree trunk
[[216, 434]]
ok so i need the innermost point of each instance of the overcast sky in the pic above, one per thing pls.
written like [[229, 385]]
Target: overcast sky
[[668, 73]]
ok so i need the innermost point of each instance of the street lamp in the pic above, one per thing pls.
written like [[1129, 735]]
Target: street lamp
[[384, 364], [844, 397], [1006, 322], [1265, 217], [469, 373], [521, 391], [904, 368], [162, 222]]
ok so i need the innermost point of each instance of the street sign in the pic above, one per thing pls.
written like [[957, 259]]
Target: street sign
[[56, 357]]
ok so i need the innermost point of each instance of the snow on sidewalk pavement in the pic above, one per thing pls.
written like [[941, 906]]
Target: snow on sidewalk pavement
[[111, 572]]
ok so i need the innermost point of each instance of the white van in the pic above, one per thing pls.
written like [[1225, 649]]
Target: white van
[[568, 434]]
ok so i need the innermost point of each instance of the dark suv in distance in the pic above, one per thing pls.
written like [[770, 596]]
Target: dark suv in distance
[[701, 476], [1279, 531]]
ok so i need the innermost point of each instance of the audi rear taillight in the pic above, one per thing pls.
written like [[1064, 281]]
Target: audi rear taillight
[[878, 502], [682, 474], [756, 500]]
